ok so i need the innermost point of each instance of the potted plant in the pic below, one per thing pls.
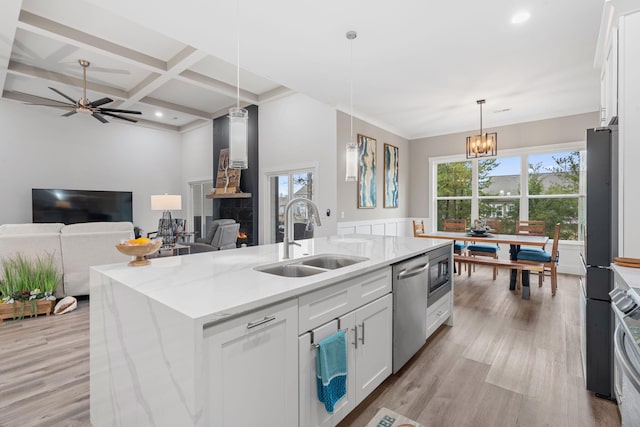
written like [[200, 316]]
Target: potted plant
[[28, 286]]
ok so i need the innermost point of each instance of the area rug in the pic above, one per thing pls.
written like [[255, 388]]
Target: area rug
[[387, 418]]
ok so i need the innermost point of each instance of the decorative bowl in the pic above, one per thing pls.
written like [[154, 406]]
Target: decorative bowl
[[479, 232], [140, 251]]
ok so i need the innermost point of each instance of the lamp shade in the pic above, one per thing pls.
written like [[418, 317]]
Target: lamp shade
[[351, 162], [166, 202], [238, 135]]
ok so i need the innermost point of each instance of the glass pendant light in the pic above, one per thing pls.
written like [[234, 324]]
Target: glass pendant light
[[238, 117], [351, 158]]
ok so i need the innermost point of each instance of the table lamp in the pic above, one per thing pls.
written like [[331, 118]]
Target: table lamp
[[166, 203]]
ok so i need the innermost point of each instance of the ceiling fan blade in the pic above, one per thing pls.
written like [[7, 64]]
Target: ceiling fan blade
[[70, 113], [62, 94], [60, 105], [99, 117], [100, 102], [115, 110], [119, 117]]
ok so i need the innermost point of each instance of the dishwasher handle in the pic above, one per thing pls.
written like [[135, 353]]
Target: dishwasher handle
[[405, 274]]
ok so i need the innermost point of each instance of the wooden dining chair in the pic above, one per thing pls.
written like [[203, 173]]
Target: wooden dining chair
[[457, 226], [486, 250], [418, 228], [530, 228], [548, 260]]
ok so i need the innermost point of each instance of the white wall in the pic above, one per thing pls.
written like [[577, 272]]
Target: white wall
[[299, 132], [40, 149], [348, 191], [196, 163]]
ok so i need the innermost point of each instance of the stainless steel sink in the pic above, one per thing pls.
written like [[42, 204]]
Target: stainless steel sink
[[291, 270], [312, 265], [332, 262]]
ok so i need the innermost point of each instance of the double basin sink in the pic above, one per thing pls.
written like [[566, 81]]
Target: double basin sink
[[309, 266]]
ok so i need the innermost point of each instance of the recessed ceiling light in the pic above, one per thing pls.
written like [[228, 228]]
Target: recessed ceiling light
[[158, 113], [520, 17]]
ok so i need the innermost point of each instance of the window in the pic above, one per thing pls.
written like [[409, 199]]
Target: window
[[454, 187], [284, 187], [201, 207], [554, 191], [550, 190]]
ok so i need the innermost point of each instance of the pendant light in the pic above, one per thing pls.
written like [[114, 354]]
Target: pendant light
[[238, 117], [351, 158], [484, 144]]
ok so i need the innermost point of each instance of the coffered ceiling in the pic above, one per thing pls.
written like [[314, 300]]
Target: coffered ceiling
[[174, 85], [418, 66]]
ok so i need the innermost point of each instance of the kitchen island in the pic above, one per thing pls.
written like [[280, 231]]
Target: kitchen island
[[206, 339]]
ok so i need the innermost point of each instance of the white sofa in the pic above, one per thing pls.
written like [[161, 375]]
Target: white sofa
[[75, 248]]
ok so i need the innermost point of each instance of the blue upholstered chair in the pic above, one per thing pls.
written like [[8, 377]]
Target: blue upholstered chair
[[458, 226], [484, 249], [549, 260]]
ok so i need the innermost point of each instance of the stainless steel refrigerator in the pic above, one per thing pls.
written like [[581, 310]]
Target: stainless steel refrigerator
[[601, 246]]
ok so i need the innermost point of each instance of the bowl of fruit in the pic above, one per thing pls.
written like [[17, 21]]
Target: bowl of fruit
[[139, 248]]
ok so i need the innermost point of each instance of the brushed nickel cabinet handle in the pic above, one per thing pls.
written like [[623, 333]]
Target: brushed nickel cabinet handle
[[266, 319], [362, 338], [355, 330]]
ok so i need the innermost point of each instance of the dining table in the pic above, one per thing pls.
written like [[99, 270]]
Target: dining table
[[515, 242]]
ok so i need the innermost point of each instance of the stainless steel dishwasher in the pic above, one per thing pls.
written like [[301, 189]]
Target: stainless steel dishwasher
[[410, 286]]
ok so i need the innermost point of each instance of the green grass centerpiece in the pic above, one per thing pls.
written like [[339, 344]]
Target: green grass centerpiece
[[27, 285]]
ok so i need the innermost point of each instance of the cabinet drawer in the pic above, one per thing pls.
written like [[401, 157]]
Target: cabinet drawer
[[321, 306], [438, 313]]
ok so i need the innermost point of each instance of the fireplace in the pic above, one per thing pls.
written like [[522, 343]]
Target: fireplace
[[242, 211]]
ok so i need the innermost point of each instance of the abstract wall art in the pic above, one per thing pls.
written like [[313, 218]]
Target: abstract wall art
[[390, 199], [366, 172]]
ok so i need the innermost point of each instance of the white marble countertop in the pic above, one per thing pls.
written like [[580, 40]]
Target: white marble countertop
[[210, 286]]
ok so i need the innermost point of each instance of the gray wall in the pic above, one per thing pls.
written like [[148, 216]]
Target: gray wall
[[347, 191], [521, 135]]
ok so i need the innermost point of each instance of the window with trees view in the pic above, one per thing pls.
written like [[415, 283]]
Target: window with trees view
[[496, 188]]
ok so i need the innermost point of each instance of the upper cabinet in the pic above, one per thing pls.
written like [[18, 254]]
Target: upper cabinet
[[618, 57], [609, 82]]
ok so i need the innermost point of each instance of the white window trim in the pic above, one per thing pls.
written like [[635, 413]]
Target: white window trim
[[524, 178], [266, 202]]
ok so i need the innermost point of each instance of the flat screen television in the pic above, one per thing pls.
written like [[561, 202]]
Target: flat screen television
[[74, 206]]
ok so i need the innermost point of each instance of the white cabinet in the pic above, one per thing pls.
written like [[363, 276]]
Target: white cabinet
[[312, 411], [374, 341], [609, 82], [438, 313], [251, 369], [629, 133], [369, 357]]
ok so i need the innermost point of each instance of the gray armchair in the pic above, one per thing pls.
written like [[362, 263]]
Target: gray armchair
[[221, 234]]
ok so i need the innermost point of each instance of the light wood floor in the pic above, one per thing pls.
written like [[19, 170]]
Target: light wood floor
[[506, 362]]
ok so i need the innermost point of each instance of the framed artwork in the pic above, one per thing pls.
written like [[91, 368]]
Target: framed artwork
[[366, 172], [390, 199]]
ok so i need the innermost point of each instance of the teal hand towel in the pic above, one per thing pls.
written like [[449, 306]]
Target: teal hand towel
[[331, 369]]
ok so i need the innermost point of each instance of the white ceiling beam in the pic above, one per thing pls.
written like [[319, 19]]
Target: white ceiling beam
[[193, 125], [217, 86], [175, 107], [51, 29], [29, 71], [9, 12], [176, 65], [273, 94]]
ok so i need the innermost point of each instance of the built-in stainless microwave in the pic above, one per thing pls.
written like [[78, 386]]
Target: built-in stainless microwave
[[440, 267]]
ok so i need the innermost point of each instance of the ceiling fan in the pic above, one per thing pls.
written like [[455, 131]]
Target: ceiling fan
[[84, 106]]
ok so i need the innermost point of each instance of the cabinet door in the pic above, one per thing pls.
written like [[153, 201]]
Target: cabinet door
[[312, 411], [251, 364], [373, 355]]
